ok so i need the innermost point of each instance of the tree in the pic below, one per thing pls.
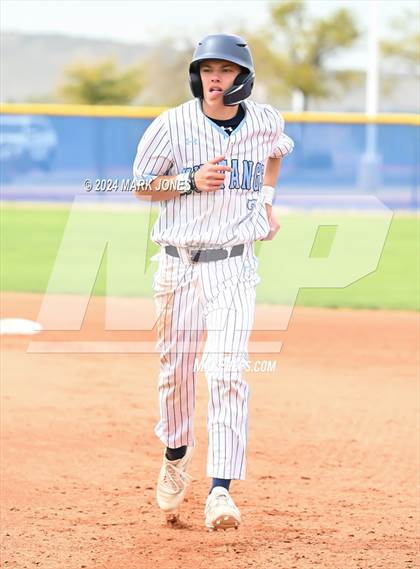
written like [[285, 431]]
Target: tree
[[101, 83], [166, 75], [405, 47], [292, 55]]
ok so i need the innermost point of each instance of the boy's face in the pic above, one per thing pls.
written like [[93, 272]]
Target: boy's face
[[217, 76]]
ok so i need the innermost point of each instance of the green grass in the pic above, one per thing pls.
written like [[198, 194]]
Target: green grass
[[321, 258]]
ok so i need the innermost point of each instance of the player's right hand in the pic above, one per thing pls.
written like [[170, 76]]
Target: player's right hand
[[272, 222], [211, 175]]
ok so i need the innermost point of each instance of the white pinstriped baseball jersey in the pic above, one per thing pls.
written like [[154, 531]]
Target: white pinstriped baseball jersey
[[182, 139]]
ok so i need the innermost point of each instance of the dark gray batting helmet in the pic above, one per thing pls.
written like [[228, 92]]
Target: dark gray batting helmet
[[229, 48]]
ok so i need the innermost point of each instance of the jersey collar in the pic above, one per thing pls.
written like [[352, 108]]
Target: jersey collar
[[216, 126]]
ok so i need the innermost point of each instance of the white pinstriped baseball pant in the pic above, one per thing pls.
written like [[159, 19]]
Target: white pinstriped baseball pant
[[217, 297]]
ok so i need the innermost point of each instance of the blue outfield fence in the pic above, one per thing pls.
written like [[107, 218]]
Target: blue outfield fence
[[47, 153]]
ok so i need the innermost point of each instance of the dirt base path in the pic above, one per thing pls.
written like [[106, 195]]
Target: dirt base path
[[332, 460]]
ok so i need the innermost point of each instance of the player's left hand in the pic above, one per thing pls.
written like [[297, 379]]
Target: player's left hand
[[273, 223]]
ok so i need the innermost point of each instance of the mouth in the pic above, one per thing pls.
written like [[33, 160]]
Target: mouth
[[215, 90]]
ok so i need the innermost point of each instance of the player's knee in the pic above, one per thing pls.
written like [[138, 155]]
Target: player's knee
[[226, 367]]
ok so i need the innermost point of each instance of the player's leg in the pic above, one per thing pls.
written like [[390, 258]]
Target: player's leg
[[229, 313], [229, 317], [229, 287], [226, 357], [228, 405], [180, 330]]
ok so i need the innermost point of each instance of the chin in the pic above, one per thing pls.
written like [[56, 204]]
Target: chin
[[214, 100], [210, 102]]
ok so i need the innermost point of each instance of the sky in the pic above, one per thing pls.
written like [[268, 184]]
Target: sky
[[138, 21]]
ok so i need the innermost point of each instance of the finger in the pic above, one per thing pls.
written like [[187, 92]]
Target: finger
[[216, 178], [268, 238], [270, 235], [217, 159], [220, 168], [212, 188]]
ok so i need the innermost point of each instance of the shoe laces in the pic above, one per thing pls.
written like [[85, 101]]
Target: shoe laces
[[175, 477], [222, 499]]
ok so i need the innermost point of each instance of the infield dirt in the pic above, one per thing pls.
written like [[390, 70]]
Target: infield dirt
[[332, 460]]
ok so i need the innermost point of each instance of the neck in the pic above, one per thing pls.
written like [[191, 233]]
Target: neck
[[220, 111]]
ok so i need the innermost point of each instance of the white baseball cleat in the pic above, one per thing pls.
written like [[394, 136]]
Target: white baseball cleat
[[172, 484], [220, 511]]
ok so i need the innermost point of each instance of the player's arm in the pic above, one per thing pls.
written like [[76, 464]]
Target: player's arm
[[155, 192], [208, 178], [283, 145], [152, 162], [271, 174]]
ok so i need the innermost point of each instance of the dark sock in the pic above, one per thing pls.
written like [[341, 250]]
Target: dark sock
[[220, 482], [175, 453]]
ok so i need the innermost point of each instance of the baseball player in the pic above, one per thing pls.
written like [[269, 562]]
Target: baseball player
[[212, 164]]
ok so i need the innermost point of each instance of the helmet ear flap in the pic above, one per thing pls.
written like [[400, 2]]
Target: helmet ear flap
[[242, 76], [195, 79], [240, 90]]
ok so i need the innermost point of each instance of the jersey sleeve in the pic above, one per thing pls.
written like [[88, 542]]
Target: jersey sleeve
[[154, 152], [282, 144]]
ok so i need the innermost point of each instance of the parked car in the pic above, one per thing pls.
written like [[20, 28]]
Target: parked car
[[26, 142]]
